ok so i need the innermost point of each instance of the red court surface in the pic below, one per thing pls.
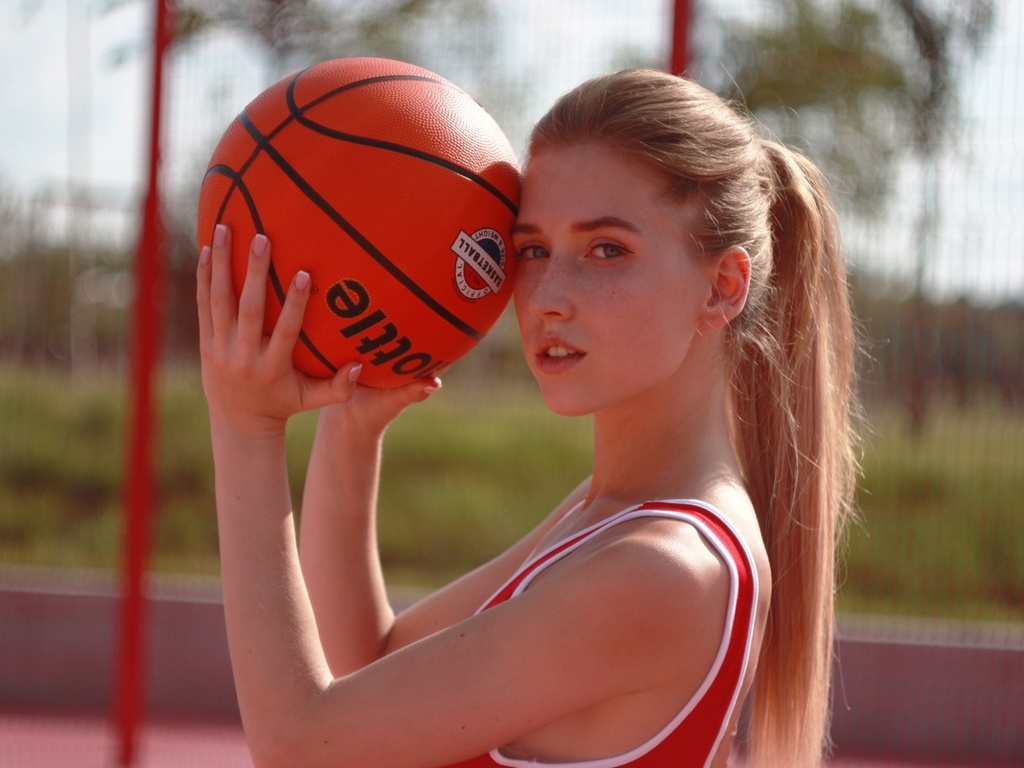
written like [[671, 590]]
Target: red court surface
[[922, 694], [44, 741], [48, 741]]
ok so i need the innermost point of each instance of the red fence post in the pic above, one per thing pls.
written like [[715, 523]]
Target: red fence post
[[679, 58], [140, 484]]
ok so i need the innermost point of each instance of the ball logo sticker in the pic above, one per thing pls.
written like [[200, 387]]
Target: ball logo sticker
[[480, 266]]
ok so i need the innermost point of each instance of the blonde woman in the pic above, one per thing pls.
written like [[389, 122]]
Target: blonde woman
[[680, 281]]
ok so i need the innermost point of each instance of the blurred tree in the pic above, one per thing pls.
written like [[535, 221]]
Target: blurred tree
[[944, 35], [297, 33], [458, 39], [844, 79]]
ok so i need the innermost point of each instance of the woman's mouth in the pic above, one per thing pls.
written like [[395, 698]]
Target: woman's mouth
[[559, 351], [554, 358]]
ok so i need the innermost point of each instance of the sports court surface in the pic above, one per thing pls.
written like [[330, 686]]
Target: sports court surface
[[945, 695], [51, 741]]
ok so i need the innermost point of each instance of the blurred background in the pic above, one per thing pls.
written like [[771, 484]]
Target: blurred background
[[914, 108]]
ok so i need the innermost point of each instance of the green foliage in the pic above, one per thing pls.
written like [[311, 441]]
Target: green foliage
[[297, 33], [465, 475], [60, 457], [449, 497], [472, 469], [942, 518]]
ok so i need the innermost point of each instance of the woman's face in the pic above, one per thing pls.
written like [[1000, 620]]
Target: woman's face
[[608, 294]]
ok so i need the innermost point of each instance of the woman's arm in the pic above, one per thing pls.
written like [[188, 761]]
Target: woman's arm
[[482, 682], [251, 390], [338, 542], [340, 559]]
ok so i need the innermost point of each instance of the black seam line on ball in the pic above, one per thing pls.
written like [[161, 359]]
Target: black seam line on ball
[[295, 110], [355, 234], [298, 113], [275, 280]]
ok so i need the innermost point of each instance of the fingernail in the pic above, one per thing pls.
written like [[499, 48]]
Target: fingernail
[[301, 280], [259, 245], [220, 235], [353, 375], [204, 256], [432, 386]]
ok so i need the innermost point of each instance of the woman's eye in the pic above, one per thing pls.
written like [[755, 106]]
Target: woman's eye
[[608, 251], [532, 252]]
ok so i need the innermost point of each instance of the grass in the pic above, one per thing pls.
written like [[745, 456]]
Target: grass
[[942, 518], [940, 534], [463, 475]]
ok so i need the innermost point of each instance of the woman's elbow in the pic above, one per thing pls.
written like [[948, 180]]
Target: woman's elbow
[[274, 750], [300, 742]]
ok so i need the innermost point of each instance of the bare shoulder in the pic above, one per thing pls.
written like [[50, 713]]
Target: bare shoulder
[[668, 556], [655, 589]]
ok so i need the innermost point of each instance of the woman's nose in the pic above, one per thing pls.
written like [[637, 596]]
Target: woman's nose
[[544, 288]]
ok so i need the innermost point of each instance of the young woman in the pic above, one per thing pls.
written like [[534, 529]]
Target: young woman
[[680, 281]]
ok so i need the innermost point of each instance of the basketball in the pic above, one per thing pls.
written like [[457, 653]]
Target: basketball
[[394, 190]]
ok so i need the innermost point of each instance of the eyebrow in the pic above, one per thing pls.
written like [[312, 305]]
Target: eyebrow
[[589, 225]]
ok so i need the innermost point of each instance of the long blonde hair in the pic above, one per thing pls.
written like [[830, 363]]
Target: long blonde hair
[[791, 355]]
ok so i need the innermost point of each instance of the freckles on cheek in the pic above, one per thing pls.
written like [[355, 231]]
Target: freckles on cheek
[[519, 304], [519, 299]]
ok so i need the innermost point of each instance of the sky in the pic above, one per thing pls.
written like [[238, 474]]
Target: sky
[[74, 111], [42, 90]]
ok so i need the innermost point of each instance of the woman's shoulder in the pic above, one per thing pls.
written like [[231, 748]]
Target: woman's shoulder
[[674, 556], [724, 529], [667, 541], [680, 527], [732, 518], [656, 590], [662, 554]]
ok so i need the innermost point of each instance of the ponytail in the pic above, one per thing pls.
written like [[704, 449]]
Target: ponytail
[[793, 406]]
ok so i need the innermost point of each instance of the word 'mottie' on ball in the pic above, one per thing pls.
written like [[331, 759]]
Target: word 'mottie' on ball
[[394, 190]]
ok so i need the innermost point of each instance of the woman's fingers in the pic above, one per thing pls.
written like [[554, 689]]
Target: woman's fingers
[[379, 407], [289, 322], [253, 299], [203, 293], [222, 293], [237, 351]]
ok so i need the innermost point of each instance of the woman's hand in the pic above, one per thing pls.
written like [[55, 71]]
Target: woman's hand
[[251, 386]]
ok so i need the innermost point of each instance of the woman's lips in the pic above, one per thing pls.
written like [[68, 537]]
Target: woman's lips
[[557, 356]]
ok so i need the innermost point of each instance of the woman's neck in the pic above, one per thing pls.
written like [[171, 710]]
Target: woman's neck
[[670, 442]]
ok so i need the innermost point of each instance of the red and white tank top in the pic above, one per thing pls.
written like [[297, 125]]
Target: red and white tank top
[[693, 736]]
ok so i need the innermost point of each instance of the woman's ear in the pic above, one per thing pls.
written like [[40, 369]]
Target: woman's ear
[[729, 276]]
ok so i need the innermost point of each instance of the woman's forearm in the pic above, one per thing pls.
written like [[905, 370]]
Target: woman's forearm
[[279, 668], [338, 545]]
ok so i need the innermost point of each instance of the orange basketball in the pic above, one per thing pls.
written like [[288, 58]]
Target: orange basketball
[[395, 190]]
